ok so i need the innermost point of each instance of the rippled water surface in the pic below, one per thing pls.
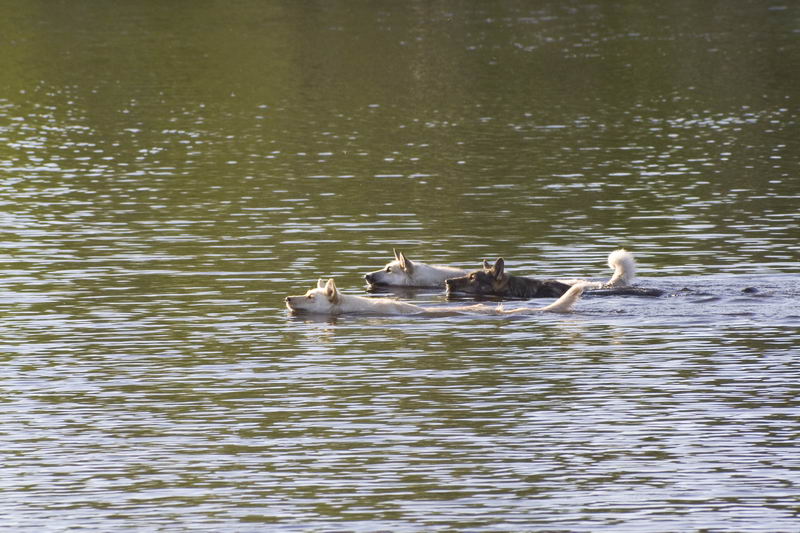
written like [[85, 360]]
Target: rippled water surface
[[169, 171]]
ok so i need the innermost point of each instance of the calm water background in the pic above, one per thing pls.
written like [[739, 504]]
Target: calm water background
[[169, 171]]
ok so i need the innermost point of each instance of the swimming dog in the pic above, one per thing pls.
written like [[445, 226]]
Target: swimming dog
[[402, 272], [493, 280], [326, 299]]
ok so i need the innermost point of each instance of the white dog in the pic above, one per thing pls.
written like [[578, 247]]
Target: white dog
[[327, 300], [402, 272]]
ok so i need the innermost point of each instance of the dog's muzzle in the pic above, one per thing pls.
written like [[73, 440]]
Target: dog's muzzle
[[369, 278]]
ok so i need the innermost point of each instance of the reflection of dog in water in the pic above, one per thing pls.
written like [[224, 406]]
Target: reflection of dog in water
[[494, 281], [326, 299], [402, 272]]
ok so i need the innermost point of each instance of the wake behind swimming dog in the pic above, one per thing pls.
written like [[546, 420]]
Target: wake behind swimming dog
[[402, 272], [327, 300], [494, 281]]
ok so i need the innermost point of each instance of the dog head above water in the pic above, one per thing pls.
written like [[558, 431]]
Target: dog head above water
[[398, 272], [492, 280], [323, 299]]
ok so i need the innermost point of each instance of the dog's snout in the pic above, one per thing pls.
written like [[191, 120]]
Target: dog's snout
[[369, 278]]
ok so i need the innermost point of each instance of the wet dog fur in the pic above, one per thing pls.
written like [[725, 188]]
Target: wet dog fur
[[402, 272], [494, 281], [327, 300]]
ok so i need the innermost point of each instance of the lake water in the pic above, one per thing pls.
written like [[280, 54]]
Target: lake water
[[170, 171]]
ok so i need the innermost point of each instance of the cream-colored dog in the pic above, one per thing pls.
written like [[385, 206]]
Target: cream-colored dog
[[327, 300], [402, 272]]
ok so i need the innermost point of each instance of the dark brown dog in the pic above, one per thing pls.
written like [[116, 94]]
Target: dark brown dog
[[493, 281]]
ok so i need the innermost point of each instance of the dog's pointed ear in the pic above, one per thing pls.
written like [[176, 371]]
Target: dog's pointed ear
[[332, 292], [486, 265], [499, 268], [405, 263], [320, 283], [396, 254]]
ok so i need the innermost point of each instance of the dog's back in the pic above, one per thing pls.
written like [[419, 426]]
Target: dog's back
[[522, 287]]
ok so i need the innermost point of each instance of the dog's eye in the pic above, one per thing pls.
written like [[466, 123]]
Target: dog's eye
[[309, 296], [472, 277], [388, 270]]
